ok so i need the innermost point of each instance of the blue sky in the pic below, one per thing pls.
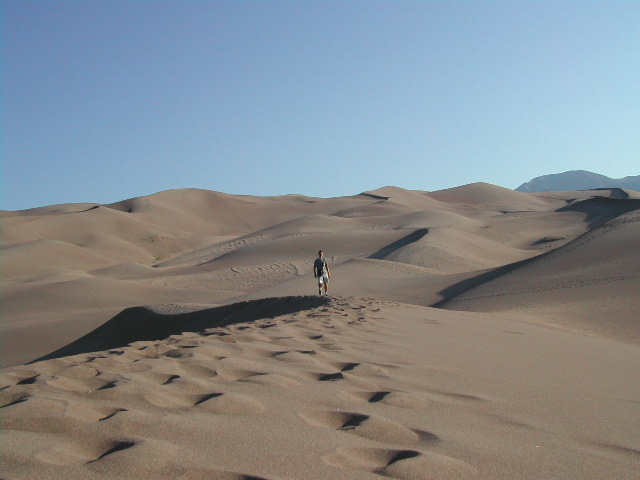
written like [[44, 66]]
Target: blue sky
[[107, 100]]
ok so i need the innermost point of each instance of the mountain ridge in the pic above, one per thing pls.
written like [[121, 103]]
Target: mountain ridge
[[577, 180]]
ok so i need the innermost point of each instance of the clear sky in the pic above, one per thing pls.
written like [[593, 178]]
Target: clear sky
[[108, 100]]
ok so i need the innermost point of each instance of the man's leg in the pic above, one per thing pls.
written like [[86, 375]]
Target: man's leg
[[326, 287], [319, 286]]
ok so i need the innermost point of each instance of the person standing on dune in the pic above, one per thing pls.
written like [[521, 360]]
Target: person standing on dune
[[321, 272]]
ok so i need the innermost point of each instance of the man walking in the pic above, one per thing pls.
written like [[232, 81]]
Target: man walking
[[321, 272]]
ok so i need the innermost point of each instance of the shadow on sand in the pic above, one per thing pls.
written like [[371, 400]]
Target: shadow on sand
[[154, 323]]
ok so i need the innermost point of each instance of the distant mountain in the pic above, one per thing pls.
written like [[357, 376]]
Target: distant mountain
[[577, 180]]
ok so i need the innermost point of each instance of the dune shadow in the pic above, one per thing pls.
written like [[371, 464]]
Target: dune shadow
[[600, 210], [452, 291], [145, 323], [398, 244], [615, 192]]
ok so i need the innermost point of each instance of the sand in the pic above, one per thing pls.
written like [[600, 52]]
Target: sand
[[470, 333]]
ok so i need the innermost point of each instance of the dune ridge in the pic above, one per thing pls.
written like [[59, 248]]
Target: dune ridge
[[158, 322], [600, 273]]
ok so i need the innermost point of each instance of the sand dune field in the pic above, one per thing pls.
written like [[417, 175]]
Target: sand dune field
[[470, 333]]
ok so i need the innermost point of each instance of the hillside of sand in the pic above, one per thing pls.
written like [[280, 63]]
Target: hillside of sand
[[69, 268], [177, 338], [324, 388]]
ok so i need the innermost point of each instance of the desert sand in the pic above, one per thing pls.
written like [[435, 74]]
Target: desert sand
[[470, 333]]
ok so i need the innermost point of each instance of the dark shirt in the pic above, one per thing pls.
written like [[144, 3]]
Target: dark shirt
[[320, 265]]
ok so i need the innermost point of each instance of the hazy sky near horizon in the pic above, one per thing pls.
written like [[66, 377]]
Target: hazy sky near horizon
[[107, 100]]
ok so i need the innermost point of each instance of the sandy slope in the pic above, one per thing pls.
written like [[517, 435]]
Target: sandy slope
[[231, 372], [66, 263], [357, 389], [591, 284]]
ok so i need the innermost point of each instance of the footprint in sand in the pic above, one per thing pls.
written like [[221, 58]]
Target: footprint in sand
[[402, 464], [251, 336], [156, 378], [251, 350], [18, 377], [182, 352], [237, 374], [79, 372], [131, 355], [85, 385], [374, 428], [197, 371], [53, 415], [81, 453], [361, 369], [122, 366], [28, 380], [295, 341], [396, 399], [113, 413], [232, 404], [220, 336], [271, 380], [214, 402], [205, 474], [301, 356], [333, 347], [330, 377], [50, 367], [338, 376], [13, 397]]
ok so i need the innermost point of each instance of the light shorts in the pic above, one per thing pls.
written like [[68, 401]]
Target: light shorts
[[323, 279]]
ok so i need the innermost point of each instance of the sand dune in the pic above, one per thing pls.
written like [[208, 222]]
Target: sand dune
[[590, 284], [200, 246], [449, 250], [492, 198], [347, 389], [33, 260], [173, 336]]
